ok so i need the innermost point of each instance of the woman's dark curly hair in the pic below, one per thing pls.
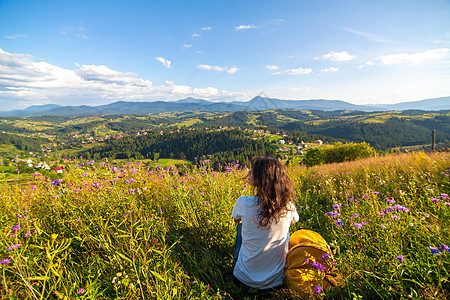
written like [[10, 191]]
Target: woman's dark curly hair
[[275, 190]]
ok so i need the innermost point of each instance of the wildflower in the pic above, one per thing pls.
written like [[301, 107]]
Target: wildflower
[[333, 214], [383, 227], [400, 258], [27, 234], [336, 206], [436, 200], [81, 291], [318, 266], [401, 208], [395, 217], [339, 222], [444, 247], [358, 225], [326, 256], [12, 247], [318, 289], [434, 250], [447, 203], [16, 227], [5, 261]]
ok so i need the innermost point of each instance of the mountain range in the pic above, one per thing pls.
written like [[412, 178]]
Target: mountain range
[[257, 103]]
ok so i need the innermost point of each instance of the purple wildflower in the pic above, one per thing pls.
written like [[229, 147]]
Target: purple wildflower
[[326, 256], [318, 266], [434, 250], [16, 227], [318, 289], [336, 206], [81, 291], [5, 261], [339, 222], [436, 200], [400, 258], [401, 208], [444, 247], [333, 214], [12, 247], [27, 234], [358, 225]]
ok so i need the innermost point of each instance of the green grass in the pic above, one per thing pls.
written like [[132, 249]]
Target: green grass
[[131, 232]]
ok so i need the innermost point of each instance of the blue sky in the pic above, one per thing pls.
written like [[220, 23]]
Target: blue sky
[[97, 52]]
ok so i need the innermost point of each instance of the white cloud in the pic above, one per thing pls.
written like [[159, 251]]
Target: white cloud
[[218, 69], [330, 69], [206, 92], [165, 62], [15, 36], [298, 71], [187, 46], [272, 67], [206, 28], [336, 56], [196, 35], [24, 82], [103, 74], [415, 58], [241, 27], [368, 63]]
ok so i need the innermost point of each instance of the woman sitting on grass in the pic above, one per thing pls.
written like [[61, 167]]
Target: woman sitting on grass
[[263, 225]]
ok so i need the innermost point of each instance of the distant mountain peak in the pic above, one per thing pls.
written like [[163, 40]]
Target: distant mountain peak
[[262, 94]]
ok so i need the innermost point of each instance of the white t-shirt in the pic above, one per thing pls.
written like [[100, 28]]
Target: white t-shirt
[[262, 256]]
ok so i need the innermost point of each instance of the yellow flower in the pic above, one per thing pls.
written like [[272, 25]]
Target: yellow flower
[[54, 236]]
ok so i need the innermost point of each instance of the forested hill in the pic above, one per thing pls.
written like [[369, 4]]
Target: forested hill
[[21, 142], [392, 132], [229, 145]]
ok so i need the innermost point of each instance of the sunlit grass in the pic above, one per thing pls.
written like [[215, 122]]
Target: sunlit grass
[[108, 231]]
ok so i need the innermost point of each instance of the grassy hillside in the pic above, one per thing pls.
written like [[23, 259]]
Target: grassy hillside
[[130, 232]]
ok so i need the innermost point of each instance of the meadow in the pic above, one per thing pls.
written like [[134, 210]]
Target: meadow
[[106, 231]]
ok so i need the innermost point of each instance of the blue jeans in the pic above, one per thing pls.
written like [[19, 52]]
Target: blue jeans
[[238, 244]]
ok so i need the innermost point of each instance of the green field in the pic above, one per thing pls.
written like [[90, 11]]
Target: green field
[[125, 231]]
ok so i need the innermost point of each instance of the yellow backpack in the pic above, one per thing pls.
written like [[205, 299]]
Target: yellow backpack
[[309, 264]]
